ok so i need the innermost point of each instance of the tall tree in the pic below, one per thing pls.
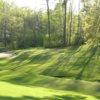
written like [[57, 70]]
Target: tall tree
[[71, 20], [48, 12], [5, 21], [65, 15]]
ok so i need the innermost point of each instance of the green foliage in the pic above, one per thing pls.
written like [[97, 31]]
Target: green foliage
[[23, 27]]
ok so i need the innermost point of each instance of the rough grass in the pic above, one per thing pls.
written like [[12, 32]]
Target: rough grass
[[73, 68]]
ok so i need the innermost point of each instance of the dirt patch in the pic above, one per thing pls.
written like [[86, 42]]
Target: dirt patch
[[6, 55]]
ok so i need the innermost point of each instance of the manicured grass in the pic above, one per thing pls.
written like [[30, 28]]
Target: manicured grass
[[10, 91], [73, 62], [72, 69]]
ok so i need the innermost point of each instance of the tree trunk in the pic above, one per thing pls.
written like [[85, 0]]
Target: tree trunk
[[48, 12], [65, 33], [70, 33], [5, 35]]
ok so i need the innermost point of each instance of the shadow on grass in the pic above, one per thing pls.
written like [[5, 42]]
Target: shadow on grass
[[64, 97], [84, 62], [40, 58], [33, 57], [26, 58], [58, 68], [63, 62], [69, 66]]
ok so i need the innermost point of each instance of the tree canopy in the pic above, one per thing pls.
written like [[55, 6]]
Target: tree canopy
[[60, 27]]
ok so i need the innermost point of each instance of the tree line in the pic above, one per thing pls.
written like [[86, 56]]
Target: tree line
[[22, 27]]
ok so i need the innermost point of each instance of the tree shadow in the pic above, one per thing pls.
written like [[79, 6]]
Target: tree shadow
[[84, 62], [27, 58], [66, 97], [21, 57], [55, 97], [40, 58], [21, 98], [60, 66], [32, 57], [64, 66]]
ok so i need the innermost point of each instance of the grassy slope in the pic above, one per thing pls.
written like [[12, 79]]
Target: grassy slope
[[18, 92], [34, 67]]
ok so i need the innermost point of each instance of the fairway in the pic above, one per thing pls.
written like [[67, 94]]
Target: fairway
[[9, 91]]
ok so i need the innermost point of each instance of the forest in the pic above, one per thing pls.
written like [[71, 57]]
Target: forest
[[50, 54], [60, 27]]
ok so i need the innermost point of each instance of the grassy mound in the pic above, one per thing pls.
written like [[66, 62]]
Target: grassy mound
[[74, 62], [73, 68]]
